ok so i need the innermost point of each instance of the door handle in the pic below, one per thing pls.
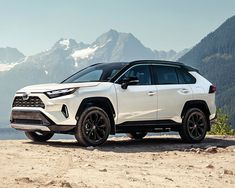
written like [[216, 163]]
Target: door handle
[[151, 93], [184, 90]]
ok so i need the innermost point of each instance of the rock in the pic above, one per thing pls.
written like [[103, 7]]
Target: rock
[[103, 170], [196, 150], [25, 180], [192, 150], [126, 172], [228, 172], [169, 179], [52, 182], [212, 149], [210, 166], [87, 165], [66, 184], [132, 179], [90, 148], [231, 148]]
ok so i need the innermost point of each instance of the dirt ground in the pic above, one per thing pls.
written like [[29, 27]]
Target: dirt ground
[[159, 161]]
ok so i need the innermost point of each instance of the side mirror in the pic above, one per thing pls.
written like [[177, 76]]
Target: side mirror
[[129, 81]]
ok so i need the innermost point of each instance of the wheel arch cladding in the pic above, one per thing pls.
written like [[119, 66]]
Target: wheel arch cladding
[[200, 104], [101, 102]]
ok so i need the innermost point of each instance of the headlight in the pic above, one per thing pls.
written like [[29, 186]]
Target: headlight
[[61, 92]]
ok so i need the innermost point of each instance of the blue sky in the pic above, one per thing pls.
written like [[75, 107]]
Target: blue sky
[[35, 25]]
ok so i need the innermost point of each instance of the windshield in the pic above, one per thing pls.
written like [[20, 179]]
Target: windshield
[[96, 73]]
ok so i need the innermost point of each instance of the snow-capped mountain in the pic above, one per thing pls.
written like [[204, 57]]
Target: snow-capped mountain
[[67, 56], [9, 57]]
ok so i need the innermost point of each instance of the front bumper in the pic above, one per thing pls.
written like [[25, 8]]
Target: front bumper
[[30, 128], [31, 121]]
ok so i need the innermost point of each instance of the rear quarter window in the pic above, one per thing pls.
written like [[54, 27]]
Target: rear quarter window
[[185, 77]]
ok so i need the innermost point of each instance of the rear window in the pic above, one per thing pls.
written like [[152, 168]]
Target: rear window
[[165, 75], [185, 77], [172, 75]]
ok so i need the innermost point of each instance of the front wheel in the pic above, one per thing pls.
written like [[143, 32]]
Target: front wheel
[[93, 127], [39, 136], [194, 126], [137, 135]]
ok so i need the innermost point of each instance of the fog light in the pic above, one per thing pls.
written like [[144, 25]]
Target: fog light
[[64, 110]]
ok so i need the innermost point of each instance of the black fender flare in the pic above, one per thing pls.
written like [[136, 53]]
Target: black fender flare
[[102, 102]]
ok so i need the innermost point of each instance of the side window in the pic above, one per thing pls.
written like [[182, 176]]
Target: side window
[[141, 72], [165, 74], [185, 77]]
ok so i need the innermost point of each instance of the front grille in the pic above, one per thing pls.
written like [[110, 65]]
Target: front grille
[[30, 117], [30, 102], [27, 121]]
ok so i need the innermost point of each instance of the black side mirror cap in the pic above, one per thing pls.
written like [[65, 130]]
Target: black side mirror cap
[[129, 81]]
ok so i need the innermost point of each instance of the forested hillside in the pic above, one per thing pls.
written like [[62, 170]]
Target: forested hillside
[[214, 56]]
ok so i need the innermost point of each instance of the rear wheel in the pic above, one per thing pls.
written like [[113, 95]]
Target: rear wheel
[[93, 127], [39, 136], [137, 135], [194, 126]]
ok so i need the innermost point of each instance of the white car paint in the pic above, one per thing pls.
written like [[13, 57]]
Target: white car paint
[[136, 103]]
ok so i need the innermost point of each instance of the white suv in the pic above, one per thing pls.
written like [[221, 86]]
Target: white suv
[[135, 98]]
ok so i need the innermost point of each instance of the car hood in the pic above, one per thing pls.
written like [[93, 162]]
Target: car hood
[[50, 87]]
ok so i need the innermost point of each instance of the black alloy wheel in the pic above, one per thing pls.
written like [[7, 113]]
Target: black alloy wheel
[[93, 127], [194, 126]]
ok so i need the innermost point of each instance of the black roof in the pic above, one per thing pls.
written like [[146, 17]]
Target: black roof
[[163, 62], [156, 62]]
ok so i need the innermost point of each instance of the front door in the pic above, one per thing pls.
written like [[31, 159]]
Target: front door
[[137, 102]]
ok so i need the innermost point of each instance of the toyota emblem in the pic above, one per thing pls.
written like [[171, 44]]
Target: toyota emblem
[[25, 96]]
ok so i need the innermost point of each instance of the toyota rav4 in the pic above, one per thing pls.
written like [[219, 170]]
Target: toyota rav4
[[108, 98]]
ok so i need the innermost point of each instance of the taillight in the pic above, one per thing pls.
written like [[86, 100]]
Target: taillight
[[212, 89]]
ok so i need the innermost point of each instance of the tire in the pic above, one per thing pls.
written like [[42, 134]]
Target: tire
[[194, 126], [39, 137], [93, 127], [137, 135]]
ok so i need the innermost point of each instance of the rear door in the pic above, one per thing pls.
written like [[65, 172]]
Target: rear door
[[172, 91], [137, 102]]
